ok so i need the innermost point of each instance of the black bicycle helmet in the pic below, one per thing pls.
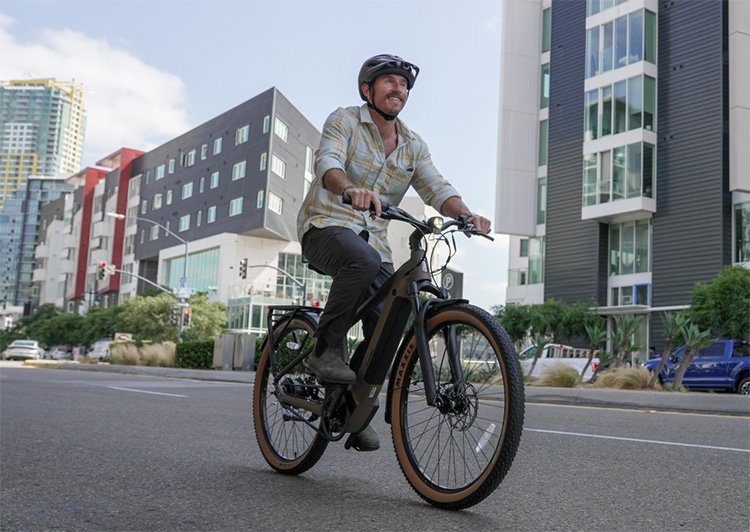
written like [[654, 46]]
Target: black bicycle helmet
[[383, 64]]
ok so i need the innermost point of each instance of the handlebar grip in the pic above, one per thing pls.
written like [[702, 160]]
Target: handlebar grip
[[384, 205]]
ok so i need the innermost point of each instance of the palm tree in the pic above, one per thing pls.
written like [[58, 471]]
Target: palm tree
[[541, 341], [673, 324], [625, 327], [695, 340], [596, 335]]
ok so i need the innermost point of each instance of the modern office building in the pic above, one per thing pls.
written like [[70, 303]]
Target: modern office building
[[19, 227], [42, 127], [622, 160]]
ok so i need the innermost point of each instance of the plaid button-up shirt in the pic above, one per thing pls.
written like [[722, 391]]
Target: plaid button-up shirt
[[351, 142]]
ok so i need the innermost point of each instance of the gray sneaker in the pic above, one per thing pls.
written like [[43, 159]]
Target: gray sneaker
[[367, 440], [329, 366]]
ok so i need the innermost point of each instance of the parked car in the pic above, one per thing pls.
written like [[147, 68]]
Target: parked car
[[60, 352], [554, 354], [23, 350], [723, 365], [99, 350]]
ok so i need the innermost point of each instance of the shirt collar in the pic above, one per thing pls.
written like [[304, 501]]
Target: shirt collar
[[403, 131]]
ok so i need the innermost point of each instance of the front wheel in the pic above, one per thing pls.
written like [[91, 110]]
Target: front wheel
[[743, 388], [287, 441], [454, 454]]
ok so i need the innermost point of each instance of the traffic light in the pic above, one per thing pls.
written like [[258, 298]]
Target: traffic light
[[243, 268], [186, 314], [102, 270], [174, 316]]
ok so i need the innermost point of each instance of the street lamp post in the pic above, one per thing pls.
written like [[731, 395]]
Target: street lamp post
[[183, 280]]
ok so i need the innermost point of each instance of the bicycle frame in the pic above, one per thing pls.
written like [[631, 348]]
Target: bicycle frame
[[401, 294]]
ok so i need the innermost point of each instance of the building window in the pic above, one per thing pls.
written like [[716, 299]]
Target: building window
[[241, 135], [214, 179], [626, 105], [168, 224], [741, 225], [524, 248], [238, 170], [280, 129], [546, 29], [263, 161], [592, 52], [201, 185], [630, 39], [160, 172], [592, 115], [169, 197], [544, 96], [630, 247], [157, 201], [278, 166], [624, 172], [217, 146], [198, 218], [188, 159], [275, 203], [235, 206], [144, 207], [649, 36], [589, 178], [259, 200], [308, 175], [204, 152], [211, 215], [154, 232], [171, 166], [541, 200], [266, 124], [536, 260], [187, 190], [184, 222], [543, 140], [141, 236], [608, 47]]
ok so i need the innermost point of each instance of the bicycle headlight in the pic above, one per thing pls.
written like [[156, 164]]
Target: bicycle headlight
[[436, 223]]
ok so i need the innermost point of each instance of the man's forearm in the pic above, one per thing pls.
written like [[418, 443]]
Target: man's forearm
[[453, 207], [335, 180]]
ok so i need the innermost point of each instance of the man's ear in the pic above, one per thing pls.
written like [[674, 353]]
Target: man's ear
[[366, 90]]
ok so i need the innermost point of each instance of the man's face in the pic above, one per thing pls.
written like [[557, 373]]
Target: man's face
[[389, 93]]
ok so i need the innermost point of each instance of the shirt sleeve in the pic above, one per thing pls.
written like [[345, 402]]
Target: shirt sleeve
[[332, 149], [429, 183]]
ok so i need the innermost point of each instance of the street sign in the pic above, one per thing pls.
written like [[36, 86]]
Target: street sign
[[183, 281], [185, 291]]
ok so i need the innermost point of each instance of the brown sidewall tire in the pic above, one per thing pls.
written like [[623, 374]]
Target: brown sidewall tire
[[512, 421]]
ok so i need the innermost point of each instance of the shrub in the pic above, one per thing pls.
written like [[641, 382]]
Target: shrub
[[125, 353], [195, 354], [624, 378], [258, 345], [161, 355], [559, 375]]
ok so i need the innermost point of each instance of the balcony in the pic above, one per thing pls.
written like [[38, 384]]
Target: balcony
[[67, 266], [620, 210], [41, 251], [39, 275]]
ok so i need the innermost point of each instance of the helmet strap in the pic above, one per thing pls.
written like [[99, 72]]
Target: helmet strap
[[371, 105]]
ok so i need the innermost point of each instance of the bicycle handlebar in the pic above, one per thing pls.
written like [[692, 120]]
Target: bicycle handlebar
[[391, 212]]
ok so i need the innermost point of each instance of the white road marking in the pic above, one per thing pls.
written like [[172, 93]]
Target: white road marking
[[638, 440], [144, 391]]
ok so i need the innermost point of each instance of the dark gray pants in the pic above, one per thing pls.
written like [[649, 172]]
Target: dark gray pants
[[357, 273]]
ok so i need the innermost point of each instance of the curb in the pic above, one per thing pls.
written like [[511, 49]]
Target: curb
[[688, 402]]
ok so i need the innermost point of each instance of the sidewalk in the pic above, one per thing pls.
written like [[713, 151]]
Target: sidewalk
[[702, 402]]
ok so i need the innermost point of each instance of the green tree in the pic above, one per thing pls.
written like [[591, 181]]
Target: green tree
[[724, 305], [540, 341], [207, 320], [695, 340], [576, 318], [515, 319], [100, 323], [673, 324], [148, 318], [548, 319]]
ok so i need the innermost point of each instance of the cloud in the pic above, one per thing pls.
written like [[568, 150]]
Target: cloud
[[128, 102]]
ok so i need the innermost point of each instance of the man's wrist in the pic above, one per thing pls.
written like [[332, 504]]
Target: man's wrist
[[345, 188]]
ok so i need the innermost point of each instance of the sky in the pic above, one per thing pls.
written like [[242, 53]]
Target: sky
[[152, 70]]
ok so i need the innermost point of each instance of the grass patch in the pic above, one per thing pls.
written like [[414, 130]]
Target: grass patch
[[125, 354], [161, 355], [624, 379], [559, 375]]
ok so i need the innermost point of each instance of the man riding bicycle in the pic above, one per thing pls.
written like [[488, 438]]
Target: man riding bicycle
[[365, 153]]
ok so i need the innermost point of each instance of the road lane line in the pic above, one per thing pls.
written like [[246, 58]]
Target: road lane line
[[638, 440], [144, 391]]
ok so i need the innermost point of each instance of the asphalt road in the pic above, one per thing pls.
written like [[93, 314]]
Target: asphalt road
[[93, 451]]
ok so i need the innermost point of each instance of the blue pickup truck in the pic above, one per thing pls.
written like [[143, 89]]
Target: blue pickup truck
[[724, 365]]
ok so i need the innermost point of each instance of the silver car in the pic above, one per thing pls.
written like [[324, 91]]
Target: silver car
[[23, 350]]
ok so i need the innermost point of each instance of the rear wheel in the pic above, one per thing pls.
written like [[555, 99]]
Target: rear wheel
[[454, 454], [286, 440], [743, 388]]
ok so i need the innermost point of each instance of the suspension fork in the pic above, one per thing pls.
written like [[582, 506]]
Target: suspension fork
[[423, 349]]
